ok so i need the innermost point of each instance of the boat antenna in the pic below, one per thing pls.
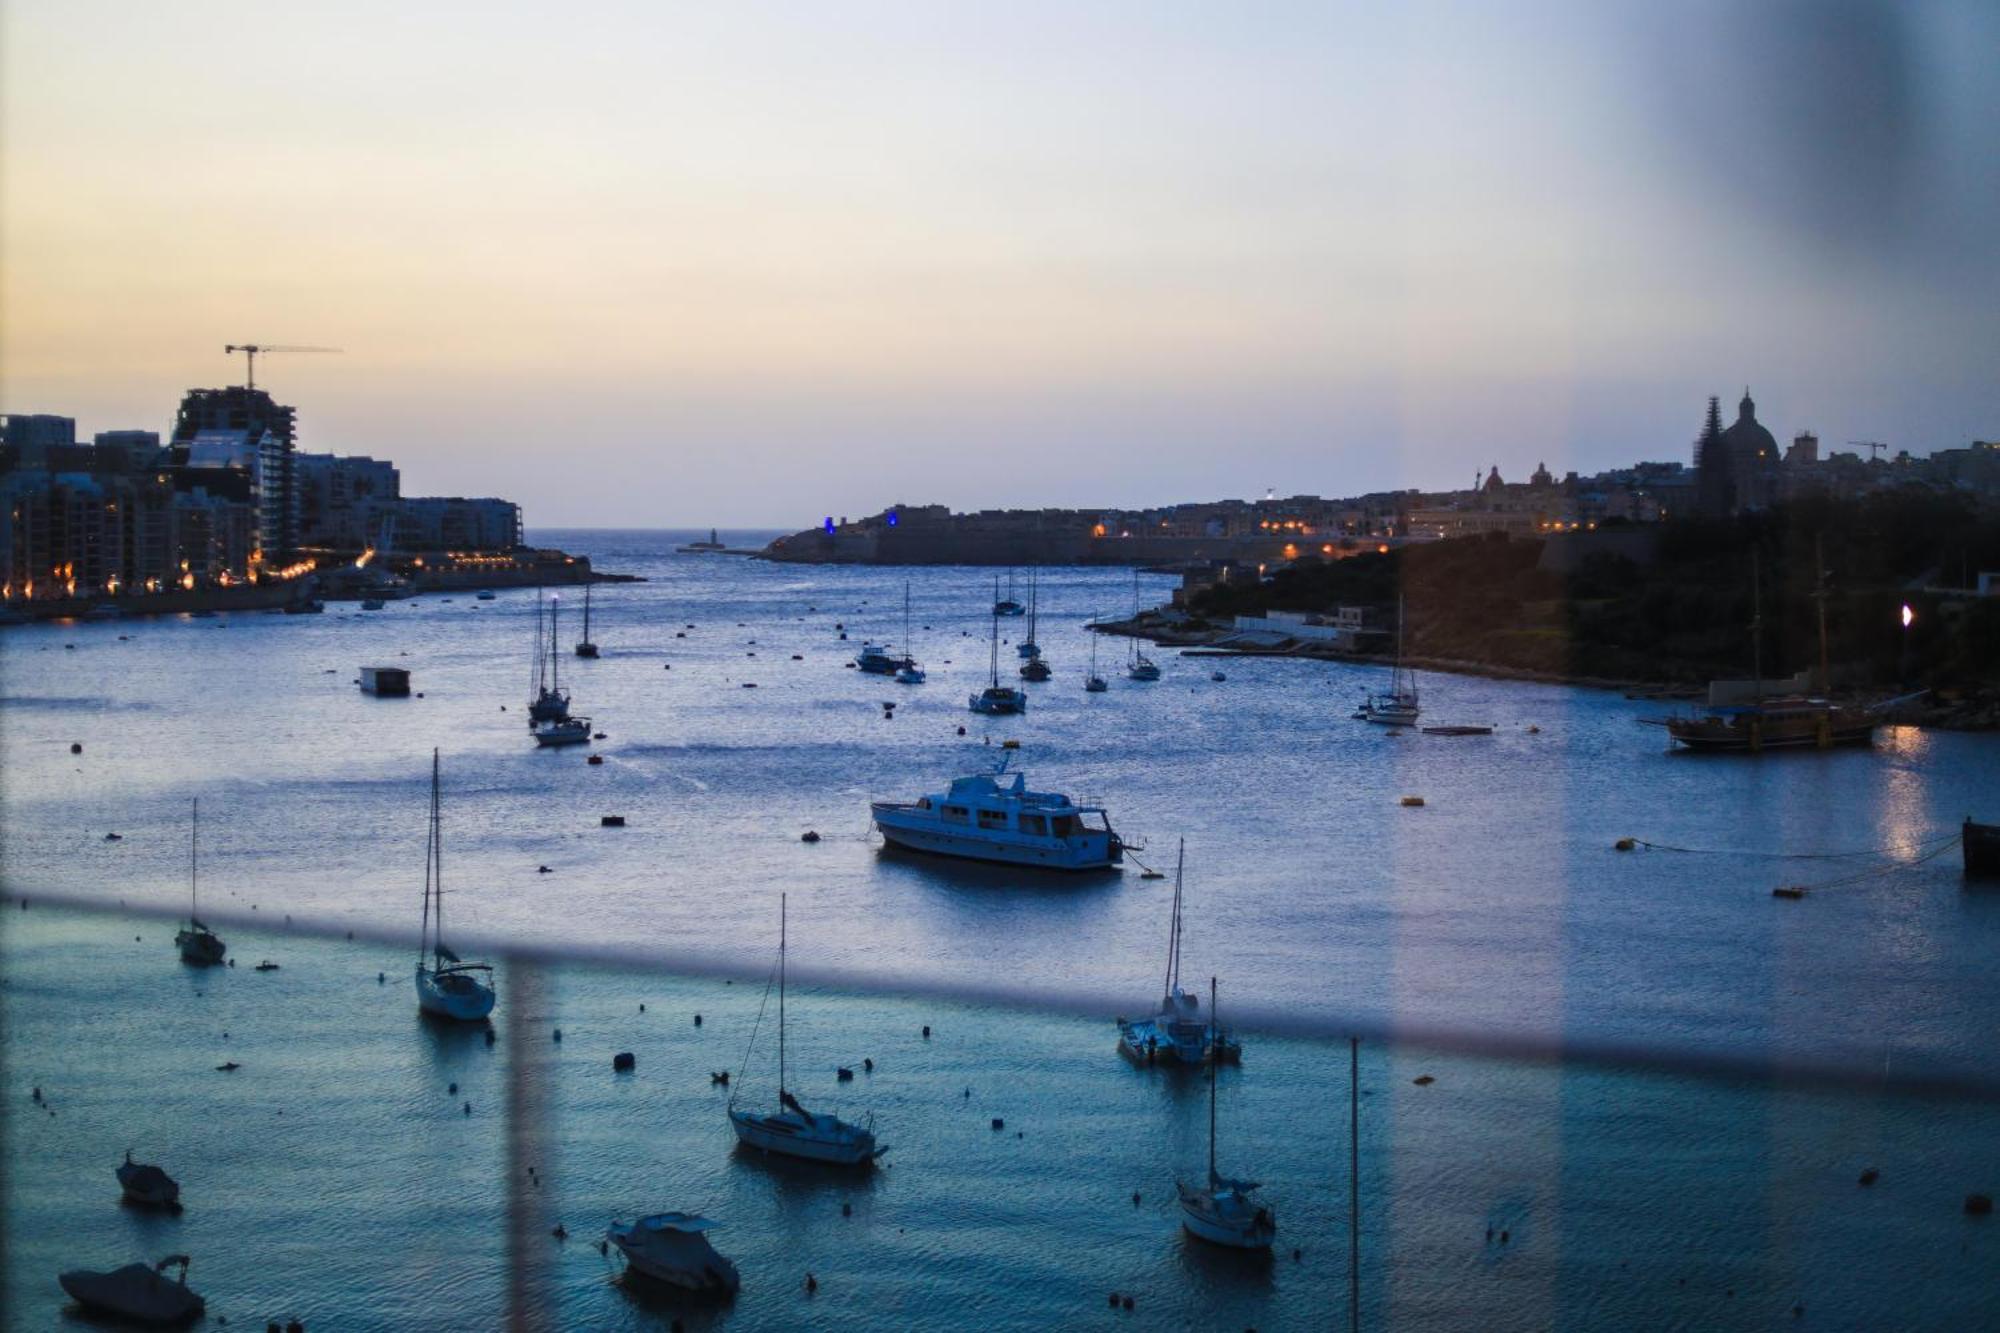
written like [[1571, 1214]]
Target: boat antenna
[[781, 1001], [1213, 1062]]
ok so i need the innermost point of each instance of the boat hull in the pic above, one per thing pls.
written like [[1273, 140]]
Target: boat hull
[[1711, 736], [1228, 1232], [1096, 852], [1980, 845], [199, 948], [786, 1137], [998, 705], [469, 1004], [134, 1292]]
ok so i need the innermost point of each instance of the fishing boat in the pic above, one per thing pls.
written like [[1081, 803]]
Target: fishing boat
[[198, 944], [1006, 606], [1398, 705], [986, 817], [447, 987], [910, 673], [1773, 722], [584, 647], [702, 548], [1224, 1213], [877, 660], [673, 1248], [147, 1185], [1979, 844], [1138, 666], [546, 700], [997, 699], [142, 1293], [1178, 1032], [1094, 683], [791, 1130]]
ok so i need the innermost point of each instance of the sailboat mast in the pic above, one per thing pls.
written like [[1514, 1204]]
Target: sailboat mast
[[1174, 931], [994, 652], [1213, 1062], [437, 848], [535, 668], [586, 613], [555, 658], [430, 845], [781, 1001], [194, 836]]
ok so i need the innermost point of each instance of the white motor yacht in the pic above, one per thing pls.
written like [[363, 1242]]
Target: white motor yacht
[[562, 731], [673, 1248], [985, 817], [792, 1130], [446, 986], [877, 660], [1223, 1213]]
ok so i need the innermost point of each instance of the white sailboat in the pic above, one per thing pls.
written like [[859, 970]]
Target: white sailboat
[[560, 727], [1033, 667], [1177, 1031], [1397, 707], [1139, 666], [1223, 1213], [791, 1130], [198, 944], [1005, 606], [910, 673], [446, 986]]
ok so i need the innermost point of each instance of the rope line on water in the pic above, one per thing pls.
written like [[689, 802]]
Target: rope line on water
[[1929, 848], [1882, 872]]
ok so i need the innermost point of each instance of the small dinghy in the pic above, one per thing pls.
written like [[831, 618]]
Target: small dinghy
[[672, 1248], [148, 1185], [137, 1292]]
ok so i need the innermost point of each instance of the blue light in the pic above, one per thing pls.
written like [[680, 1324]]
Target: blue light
[[892, 518], [829, 525]]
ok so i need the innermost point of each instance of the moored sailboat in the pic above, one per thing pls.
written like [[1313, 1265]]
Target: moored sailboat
[[1398, 705], [584, 647], [198, 944], [447, 986], [997, 699], [1222, 1212], [910, 673], [1177, 1032], [792, 1130], [1138, 666], [546, 701]]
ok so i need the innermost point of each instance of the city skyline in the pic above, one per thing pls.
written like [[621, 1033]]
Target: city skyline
[[692, 268]]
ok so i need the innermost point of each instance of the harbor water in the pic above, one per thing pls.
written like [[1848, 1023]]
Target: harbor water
[[332, 1174]]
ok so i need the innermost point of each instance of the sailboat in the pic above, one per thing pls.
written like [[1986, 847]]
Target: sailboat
[[791, 1130], [1224, 1213], [997, 698], [446, 986], [1139, 666], [560, 728], [1398, 706], [1005, 606], [198, 944], [1034, 668], [910, 673], [585, 648], [546, 702], [1094, 683], [1177, 1032]]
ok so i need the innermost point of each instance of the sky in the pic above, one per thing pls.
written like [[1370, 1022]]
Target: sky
[[662, 264]]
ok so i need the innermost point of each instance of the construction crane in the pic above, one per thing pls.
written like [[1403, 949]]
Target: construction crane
[[252, 350], [1875, 449]]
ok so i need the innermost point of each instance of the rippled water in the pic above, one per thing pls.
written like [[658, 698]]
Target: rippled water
[[1500, 906]]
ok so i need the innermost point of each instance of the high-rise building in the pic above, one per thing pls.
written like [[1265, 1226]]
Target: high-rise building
[[28, 437], [339, 497], [256, 415]]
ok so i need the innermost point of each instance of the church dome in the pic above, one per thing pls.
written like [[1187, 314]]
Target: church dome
[[1747, 439]]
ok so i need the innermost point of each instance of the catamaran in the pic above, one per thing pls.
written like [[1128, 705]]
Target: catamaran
[[446, 986], [910, 673], [791, 1130], [983, 818], [584, 647], [1224, 1213], [1396, 707], [1178, 1031], [546, 701], [198, 944], [997, 698]]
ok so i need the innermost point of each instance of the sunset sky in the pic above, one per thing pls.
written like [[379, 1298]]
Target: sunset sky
[[663, 264]]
